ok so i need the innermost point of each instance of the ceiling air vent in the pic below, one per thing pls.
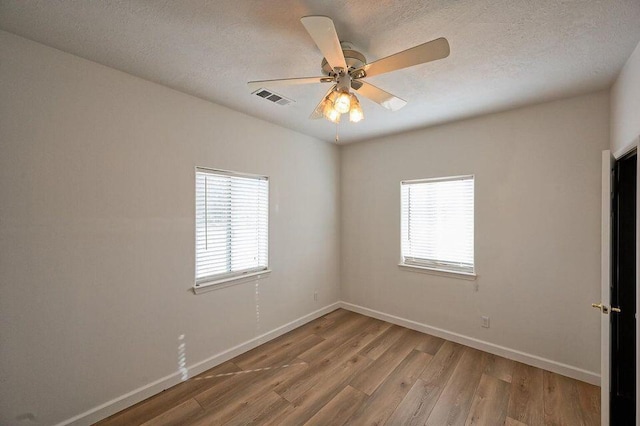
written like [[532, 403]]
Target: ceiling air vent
[[273, 97]]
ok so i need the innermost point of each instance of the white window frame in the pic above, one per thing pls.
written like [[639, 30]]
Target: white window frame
[[212, 282], [435, 266]]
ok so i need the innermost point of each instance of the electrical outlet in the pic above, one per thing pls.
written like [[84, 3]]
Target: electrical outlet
[[485, 322], [315, 296]]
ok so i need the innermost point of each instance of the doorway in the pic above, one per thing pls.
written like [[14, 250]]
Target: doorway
[[623, 291]]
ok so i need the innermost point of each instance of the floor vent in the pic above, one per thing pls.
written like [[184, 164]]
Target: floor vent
[[273, 97]]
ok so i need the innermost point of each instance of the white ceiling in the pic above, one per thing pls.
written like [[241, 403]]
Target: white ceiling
[[504, 53]]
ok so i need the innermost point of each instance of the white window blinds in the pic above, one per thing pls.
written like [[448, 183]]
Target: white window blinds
[[232, 224], [437, 223]]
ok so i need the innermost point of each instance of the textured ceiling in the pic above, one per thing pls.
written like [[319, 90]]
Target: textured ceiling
[[504, 53]]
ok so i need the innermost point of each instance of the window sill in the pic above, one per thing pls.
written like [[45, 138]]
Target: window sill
[[228, 282], [441, 272]]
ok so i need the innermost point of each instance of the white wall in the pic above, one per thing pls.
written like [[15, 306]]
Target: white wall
[[625, 106], [537, 227], [97, 228]]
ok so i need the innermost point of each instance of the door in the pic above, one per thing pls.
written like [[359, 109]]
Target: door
[[607, 168], [623, 292]]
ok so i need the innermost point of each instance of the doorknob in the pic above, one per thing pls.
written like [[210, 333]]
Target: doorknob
[[616, 310], [603, 308]]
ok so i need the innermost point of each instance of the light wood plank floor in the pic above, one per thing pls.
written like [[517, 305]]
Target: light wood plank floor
[[346, 368]]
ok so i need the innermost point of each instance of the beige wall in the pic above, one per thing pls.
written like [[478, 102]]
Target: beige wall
[[537, 227], [625, 106], [97, 230]]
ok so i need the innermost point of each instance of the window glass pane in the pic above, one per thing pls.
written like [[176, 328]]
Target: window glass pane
[[437, 221], [232, 215]]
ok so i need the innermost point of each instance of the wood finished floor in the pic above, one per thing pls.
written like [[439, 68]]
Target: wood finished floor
[[346, 368]]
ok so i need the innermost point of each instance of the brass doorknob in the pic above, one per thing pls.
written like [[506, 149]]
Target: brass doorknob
[[603, 308], [617, 310]]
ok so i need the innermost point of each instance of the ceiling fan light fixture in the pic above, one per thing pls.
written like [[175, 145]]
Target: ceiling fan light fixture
[[355, 113], [342, 104], [332, 115], [328, 111]]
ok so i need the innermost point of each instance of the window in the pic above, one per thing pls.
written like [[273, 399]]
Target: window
[[232, 224], [437, 223]]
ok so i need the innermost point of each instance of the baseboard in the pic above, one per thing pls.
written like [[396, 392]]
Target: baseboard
[[525, 358], [120, 403]]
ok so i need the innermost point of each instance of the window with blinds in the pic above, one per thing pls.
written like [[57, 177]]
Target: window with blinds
[[232, 225], [437, 223]]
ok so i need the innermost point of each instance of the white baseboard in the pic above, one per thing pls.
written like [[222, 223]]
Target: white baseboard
[[120, 403], [525, 358]]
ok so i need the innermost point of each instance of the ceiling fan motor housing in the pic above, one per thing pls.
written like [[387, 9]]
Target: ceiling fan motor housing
[[343, 82], [353, 58]]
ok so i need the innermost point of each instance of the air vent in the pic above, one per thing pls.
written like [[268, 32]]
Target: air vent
[[273, 97]]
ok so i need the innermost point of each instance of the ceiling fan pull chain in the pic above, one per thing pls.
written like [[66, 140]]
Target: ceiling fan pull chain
[[337, 137]]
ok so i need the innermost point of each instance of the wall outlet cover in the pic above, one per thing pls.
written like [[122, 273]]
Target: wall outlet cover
[[485, 322]]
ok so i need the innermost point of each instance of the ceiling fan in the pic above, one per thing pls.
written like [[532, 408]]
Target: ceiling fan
[[345, 68]]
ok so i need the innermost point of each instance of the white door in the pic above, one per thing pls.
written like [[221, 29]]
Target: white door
[[607, 166]]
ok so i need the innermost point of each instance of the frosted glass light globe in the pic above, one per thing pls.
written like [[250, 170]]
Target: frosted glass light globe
[[342, 104]]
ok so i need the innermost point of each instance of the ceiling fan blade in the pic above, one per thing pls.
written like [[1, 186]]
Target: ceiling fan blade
[[426, 52], [254, 85], [323, 33], [379, 96], [317, 113]]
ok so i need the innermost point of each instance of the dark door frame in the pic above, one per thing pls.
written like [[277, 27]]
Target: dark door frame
[[615, 155], [623, 391]]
